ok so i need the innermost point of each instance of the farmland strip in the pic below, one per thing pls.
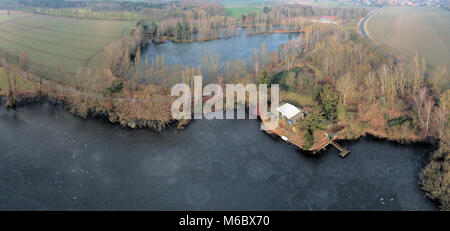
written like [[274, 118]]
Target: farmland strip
[[105, 29], [57, 36], [52, 43], [15, 19], [39, 50], [110, 22], [30, 24]]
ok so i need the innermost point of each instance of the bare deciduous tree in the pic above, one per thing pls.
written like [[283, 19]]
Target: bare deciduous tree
[[441, 113], [289, 51], [345, 85], [418, 101], [429, 103]]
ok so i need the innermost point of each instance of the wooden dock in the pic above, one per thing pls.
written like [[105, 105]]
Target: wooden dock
[[344, 151]]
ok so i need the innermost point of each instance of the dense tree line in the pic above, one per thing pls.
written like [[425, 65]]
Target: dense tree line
[[88, 13], [296, 13], [55, 3]]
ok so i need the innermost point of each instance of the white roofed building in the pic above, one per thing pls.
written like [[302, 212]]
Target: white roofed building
[[291, 112]]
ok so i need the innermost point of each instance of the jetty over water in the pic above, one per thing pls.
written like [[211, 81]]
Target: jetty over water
[[344, 151]]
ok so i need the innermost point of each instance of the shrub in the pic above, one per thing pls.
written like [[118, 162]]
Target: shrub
[[309, 140], [383, 102], [399, 121], [116, 87], [341, 112], [264, 78]]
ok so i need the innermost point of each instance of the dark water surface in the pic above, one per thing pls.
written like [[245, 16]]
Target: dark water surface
[[51, 160], [239, 47]]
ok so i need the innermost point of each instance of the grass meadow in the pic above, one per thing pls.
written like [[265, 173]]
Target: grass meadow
[[238, 11], [63, 42], [410, 29], [239, 7], [20, 83]]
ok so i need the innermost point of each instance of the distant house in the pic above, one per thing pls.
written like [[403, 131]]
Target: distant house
[[329, 19], [291, 112]]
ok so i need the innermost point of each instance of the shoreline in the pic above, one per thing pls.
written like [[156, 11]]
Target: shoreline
[[157, 42], [24, 102], [433, 144]]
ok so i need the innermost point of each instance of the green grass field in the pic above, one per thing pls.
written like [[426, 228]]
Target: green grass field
[[329, 3], [238, 11], [236, 8], [20, 83], [58, 41], [242, 3], [410, 29], [300, 100]]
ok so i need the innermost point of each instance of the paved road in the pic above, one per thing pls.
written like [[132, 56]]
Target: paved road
[[363, 22]]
